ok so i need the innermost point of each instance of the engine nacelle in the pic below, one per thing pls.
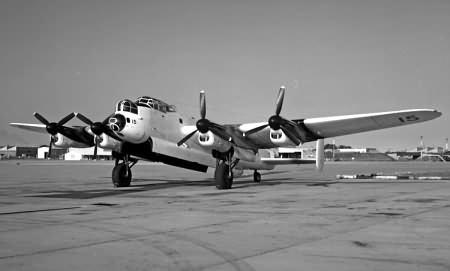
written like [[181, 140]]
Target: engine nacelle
[[280, 139], [211, 141], [64, 142], [109, 143]]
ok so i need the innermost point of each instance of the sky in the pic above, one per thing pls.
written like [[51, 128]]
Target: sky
[[334, 57]]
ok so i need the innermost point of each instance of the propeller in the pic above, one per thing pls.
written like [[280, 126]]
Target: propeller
[[53, 128], [97, 129], [276, 122], [204, 125]]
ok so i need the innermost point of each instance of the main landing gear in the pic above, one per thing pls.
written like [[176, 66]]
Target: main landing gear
[[225, 164], [121, 173]]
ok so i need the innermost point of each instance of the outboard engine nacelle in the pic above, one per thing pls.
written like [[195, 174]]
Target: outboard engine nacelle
[[280, 139]]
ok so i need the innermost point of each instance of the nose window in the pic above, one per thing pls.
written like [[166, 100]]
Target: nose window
[[127, 106]]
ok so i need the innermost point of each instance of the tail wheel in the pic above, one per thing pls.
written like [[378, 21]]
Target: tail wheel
[[120, 176], [257, 177]]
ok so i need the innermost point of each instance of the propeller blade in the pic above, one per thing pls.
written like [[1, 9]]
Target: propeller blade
[[186, 138], [290, 135], [220, 132], [112, 134], [280, 98], [106, 121], [49, 155], [95, 148], [84, 119], [202, 104], [255, 130], [41, 118], [66, 119]]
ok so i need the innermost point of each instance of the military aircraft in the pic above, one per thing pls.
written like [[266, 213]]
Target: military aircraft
[[150, 129]]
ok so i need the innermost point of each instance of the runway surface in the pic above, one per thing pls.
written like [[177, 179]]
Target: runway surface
[[67, 216]]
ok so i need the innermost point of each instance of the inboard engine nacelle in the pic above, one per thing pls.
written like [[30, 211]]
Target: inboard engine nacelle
[[109, 143], [209, 140], [280, 139], [64, 142]]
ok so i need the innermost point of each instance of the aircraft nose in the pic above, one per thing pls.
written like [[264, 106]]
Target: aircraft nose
[[117, 122]]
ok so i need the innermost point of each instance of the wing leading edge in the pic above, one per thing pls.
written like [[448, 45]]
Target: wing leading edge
[[351, 124], [38, 128]]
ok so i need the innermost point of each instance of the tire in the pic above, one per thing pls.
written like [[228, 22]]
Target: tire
[[257, 177], [118, 176], [222, 179]]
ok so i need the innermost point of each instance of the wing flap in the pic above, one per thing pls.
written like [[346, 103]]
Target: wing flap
[[351, 124]]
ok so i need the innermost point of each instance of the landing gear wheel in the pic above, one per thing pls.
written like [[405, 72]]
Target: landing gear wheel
[[257, 177], [222, 177], [120, 176]]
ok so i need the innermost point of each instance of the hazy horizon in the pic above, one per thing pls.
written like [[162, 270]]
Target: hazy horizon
[[334, 57]]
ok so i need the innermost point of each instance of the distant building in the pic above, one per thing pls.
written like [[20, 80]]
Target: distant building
[[87, 154], [42, 153], [290, 153], [363, 150], [8, 152], [26, 152], [4, 153]]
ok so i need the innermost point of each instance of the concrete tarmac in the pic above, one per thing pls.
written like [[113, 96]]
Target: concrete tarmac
[[67, 216]]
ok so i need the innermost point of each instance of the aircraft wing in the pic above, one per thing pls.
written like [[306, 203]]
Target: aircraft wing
[[311, 129], [351, 124], [76, 133], [39, 128]]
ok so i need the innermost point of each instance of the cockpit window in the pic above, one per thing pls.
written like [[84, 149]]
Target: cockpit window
[[155, 104], [127, 106]]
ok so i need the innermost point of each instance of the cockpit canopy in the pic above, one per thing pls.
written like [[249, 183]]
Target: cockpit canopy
[[127, 106], [155, 104]]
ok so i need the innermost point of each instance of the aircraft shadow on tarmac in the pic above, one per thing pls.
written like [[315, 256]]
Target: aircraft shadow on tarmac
[[142, 185]]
